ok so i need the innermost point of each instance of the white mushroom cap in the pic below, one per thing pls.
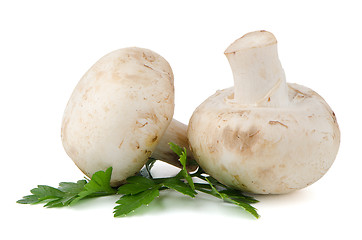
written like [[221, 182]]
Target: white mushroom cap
[[265, 150], [118, 112], [277, 142]]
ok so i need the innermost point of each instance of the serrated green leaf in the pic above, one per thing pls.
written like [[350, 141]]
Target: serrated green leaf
[[179, 186], [213, 189], [44, 192], [54, 195], [71, 191], [202, 186], [99, 185], [183, 158], [140, 180], [176, 148], [215, 182], [54, 203], [238, 195], [188, 179], [61, 202], [71, 187], [129, 203], [132, 189], [136, 184], [243, 205], [40, 194], [225, 197], [29, 199]]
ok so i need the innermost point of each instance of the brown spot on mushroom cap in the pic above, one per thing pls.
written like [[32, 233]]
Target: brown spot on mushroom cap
[[265, 172], [238, 139], [212, 147], [147, 57], [277, 122], [148, 66], [148, 153], [230, 97], [106, 109], [136, 145], [85, 95], [223, 168], [120, 145], [229, 115], [296, 95], [99, 74], [151, 116], [237, 181], [152, 140], [141, 125], [334, 117]]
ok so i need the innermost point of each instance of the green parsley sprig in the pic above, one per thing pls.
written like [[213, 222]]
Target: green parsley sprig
[[69, 193], [139, 190]]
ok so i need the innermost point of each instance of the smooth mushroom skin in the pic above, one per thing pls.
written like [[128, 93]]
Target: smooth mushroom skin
[[274, 146], [118, 112]]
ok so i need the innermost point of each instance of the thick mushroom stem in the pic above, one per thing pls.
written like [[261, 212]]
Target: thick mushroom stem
[[259, 78], [176, 133]]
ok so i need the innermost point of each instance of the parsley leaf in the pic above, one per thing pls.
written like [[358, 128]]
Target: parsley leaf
[[136, 184], [29, 199], [140, 191], [41, 193], [99, 185], [129, 203], [180, 186], [70, 190], [176, 149], [183, 160], [70, 187], [235, 194], [238, 202], [69, 193]]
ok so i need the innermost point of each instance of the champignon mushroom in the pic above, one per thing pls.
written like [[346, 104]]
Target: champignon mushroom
[[119, 112], [263, 135]]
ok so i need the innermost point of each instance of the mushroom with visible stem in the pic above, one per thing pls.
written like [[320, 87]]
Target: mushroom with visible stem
[[264, 135], [119, 112], [177, 134]]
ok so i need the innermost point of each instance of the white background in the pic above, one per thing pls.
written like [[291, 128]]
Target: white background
[[46, 46]]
